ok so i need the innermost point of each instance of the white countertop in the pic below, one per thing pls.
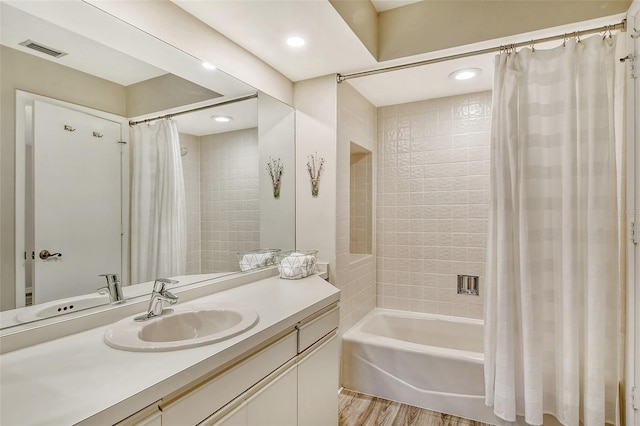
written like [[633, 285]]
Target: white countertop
[[79, 378]]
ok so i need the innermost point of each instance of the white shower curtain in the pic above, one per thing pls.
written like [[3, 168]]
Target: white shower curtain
[[552, 255], [158, 208]]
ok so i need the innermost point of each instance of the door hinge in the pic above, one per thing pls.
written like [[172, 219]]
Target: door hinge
[[635, 399], [633, 233]]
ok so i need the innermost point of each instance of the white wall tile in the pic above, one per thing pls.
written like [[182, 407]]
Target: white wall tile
[[433, 180], [229, 198]]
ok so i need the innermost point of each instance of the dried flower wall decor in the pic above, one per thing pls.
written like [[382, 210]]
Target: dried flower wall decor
[[275, 169], [314, 172]]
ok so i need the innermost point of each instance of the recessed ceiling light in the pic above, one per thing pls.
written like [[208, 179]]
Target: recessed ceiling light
[[465, 74], [295, 41], [222, 118], [208, 66]]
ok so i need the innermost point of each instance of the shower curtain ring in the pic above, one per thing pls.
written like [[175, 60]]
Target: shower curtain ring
[[564, 40], [533, 46]]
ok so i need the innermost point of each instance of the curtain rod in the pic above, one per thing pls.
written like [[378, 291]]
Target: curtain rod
[[622, 26], [231, 101]]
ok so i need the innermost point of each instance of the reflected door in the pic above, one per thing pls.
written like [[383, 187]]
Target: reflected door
[[77, 202]]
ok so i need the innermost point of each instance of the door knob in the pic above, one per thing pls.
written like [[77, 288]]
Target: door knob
[[44, 254]]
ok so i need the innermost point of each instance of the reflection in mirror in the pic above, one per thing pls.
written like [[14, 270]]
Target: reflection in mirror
[[76, 165]]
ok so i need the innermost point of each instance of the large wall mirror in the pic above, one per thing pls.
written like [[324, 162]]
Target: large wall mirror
[[83, 118]]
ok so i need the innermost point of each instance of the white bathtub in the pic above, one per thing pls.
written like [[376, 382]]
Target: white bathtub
[[426, 360]]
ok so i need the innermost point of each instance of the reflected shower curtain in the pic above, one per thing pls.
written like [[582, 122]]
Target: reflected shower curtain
[[552, 254], [158, 207]]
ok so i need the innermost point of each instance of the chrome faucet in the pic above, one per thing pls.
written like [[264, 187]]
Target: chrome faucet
[[113, 287], [159, 296]]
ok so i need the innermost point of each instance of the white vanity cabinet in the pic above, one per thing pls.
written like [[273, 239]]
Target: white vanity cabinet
[[272, 402], [205, 396], [318, 382], [275, 404], [293, 380]]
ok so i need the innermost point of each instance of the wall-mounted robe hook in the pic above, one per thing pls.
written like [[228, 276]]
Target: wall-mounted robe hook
[[69, 128], [97, 135]]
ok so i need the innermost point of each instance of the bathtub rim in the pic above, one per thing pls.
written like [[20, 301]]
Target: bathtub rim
[[357, 335]]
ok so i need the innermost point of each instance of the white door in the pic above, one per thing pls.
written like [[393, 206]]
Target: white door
[[77, 201]]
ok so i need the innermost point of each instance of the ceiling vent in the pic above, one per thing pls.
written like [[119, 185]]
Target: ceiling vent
[[42, 48]]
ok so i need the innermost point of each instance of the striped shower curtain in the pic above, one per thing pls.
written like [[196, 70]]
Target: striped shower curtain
[[552, 258], [158, 206]]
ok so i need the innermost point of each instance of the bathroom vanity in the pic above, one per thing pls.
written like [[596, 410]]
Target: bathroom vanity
[[282, 371]]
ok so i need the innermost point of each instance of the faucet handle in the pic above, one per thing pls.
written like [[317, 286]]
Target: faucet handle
[[160, 283], [111, 278]]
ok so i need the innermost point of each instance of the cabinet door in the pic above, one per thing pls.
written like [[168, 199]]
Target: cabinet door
[[318, 385], [276, 403], [192, 406]]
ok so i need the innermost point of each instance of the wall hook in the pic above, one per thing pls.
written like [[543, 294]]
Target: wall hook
[[97, 135], [69, 128]]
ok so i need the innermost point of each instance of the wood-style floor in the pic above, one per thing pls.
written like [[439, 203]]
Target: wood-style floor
[[357, 409]]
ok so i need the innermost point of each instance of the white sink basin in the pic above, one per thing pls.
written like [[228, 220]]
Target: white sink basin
[[188, 326], [59, 307]]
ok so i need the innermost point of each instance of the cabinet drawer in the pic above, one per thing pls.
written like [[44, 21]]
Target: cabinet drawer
[[204, 399], [315, 329]]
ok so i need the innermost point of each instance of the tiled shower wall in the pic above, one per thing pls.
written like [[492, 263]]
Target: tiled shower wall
[[432, 203], [191, 172], [361, 220], [221, 185], [229, 198], [355, 274]]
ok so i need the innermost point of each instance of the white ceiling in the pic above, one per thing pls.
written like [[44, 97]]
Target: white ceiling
[[261, 27], [244, 114]]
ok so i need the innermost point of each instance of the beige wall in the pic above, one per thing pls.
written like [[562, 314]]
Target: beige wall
[[164, 92], [316, 120], [429, 26], [276, 123], [432, 203], [20, 71], [362, 18]]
